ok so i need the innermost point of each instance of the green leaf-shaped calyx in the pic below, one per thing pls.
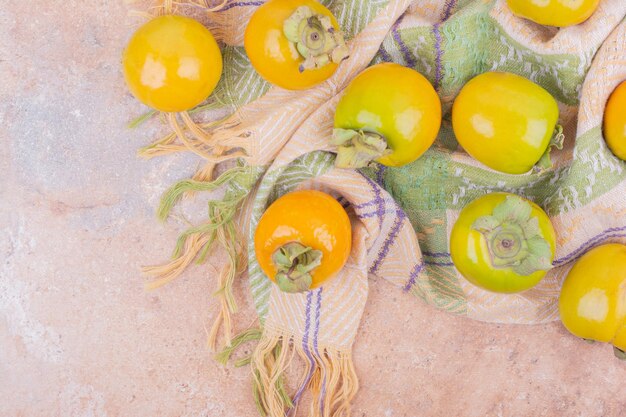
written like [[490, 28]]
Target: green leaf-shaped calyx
[[357, 148], [514, 239], [315, 38], [294, 263], [545, 162]]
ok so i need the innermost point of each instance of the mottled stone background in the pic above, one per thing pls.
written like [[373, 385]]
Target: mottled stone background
[[80, 337]]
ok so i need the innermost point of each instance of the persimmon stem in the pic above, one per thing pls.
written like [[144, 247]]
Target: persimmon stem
[[315, 38], [358, 148], [514, 238], [556, 142], [294, 263]]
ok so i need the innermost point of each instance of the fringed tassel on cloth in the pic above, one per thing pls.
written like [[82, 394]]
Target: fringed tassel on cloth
[[246, 336], [159, 8], [215, 142], [163, 7], [329, 376], [203, 140], [195, 243]]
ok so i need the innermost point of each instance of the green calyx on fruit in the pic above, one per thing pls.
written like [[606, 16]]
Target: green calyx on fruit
[[514, 239], [358, 148], [315, 38], [619, 353], [556, 142], [294, 263]]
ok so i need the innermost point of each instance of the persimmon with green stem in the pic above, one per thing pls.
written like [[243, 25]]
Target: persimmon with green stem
[[507, 122], [388, 113], [294, 44], [302, 240], [503, 243]]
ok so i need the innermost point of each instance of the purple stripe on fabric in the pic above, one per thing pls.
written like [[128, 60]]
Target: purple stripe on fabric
[[307, 322], [439, 51], [380, 175], [305, 346], [389, 241], [377, 194], [316, 330], [363, 205], [374, 188], [240, 4], [406, 53], [379, 200], [439, 263], [413, 277], [385, 55], [436, 254], [372, 214], [367, 204], [608, 233], [447, 12], [382, 210]]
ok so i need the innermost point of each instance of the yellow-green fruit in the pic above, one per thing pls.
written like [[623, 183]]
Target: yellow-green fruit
[[172, 63], [388, 113], [558, 13], [503, 243], [504, 121], [593, 298]]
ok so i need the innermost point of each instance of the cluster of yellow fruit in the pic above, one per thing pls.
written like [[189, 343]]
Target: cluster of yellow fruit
[[392, 114]]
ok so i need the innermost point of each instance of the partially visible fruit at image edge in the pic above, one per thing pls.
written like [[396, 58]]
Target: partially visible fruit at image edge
[[615, 121], [592, 303], [559, 13]]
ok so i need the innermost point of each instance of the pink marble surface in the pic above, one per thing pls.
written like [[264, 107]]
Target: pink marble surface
[[80, 337]]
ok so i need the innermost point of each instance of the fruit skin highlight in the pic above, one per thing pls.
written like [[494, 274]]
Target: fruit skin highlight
[[592, 303], [276, 58], [615, 122], [172, 63], [302, 240], [560, 13], [388, 113], [503, 243], [505, 121]]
